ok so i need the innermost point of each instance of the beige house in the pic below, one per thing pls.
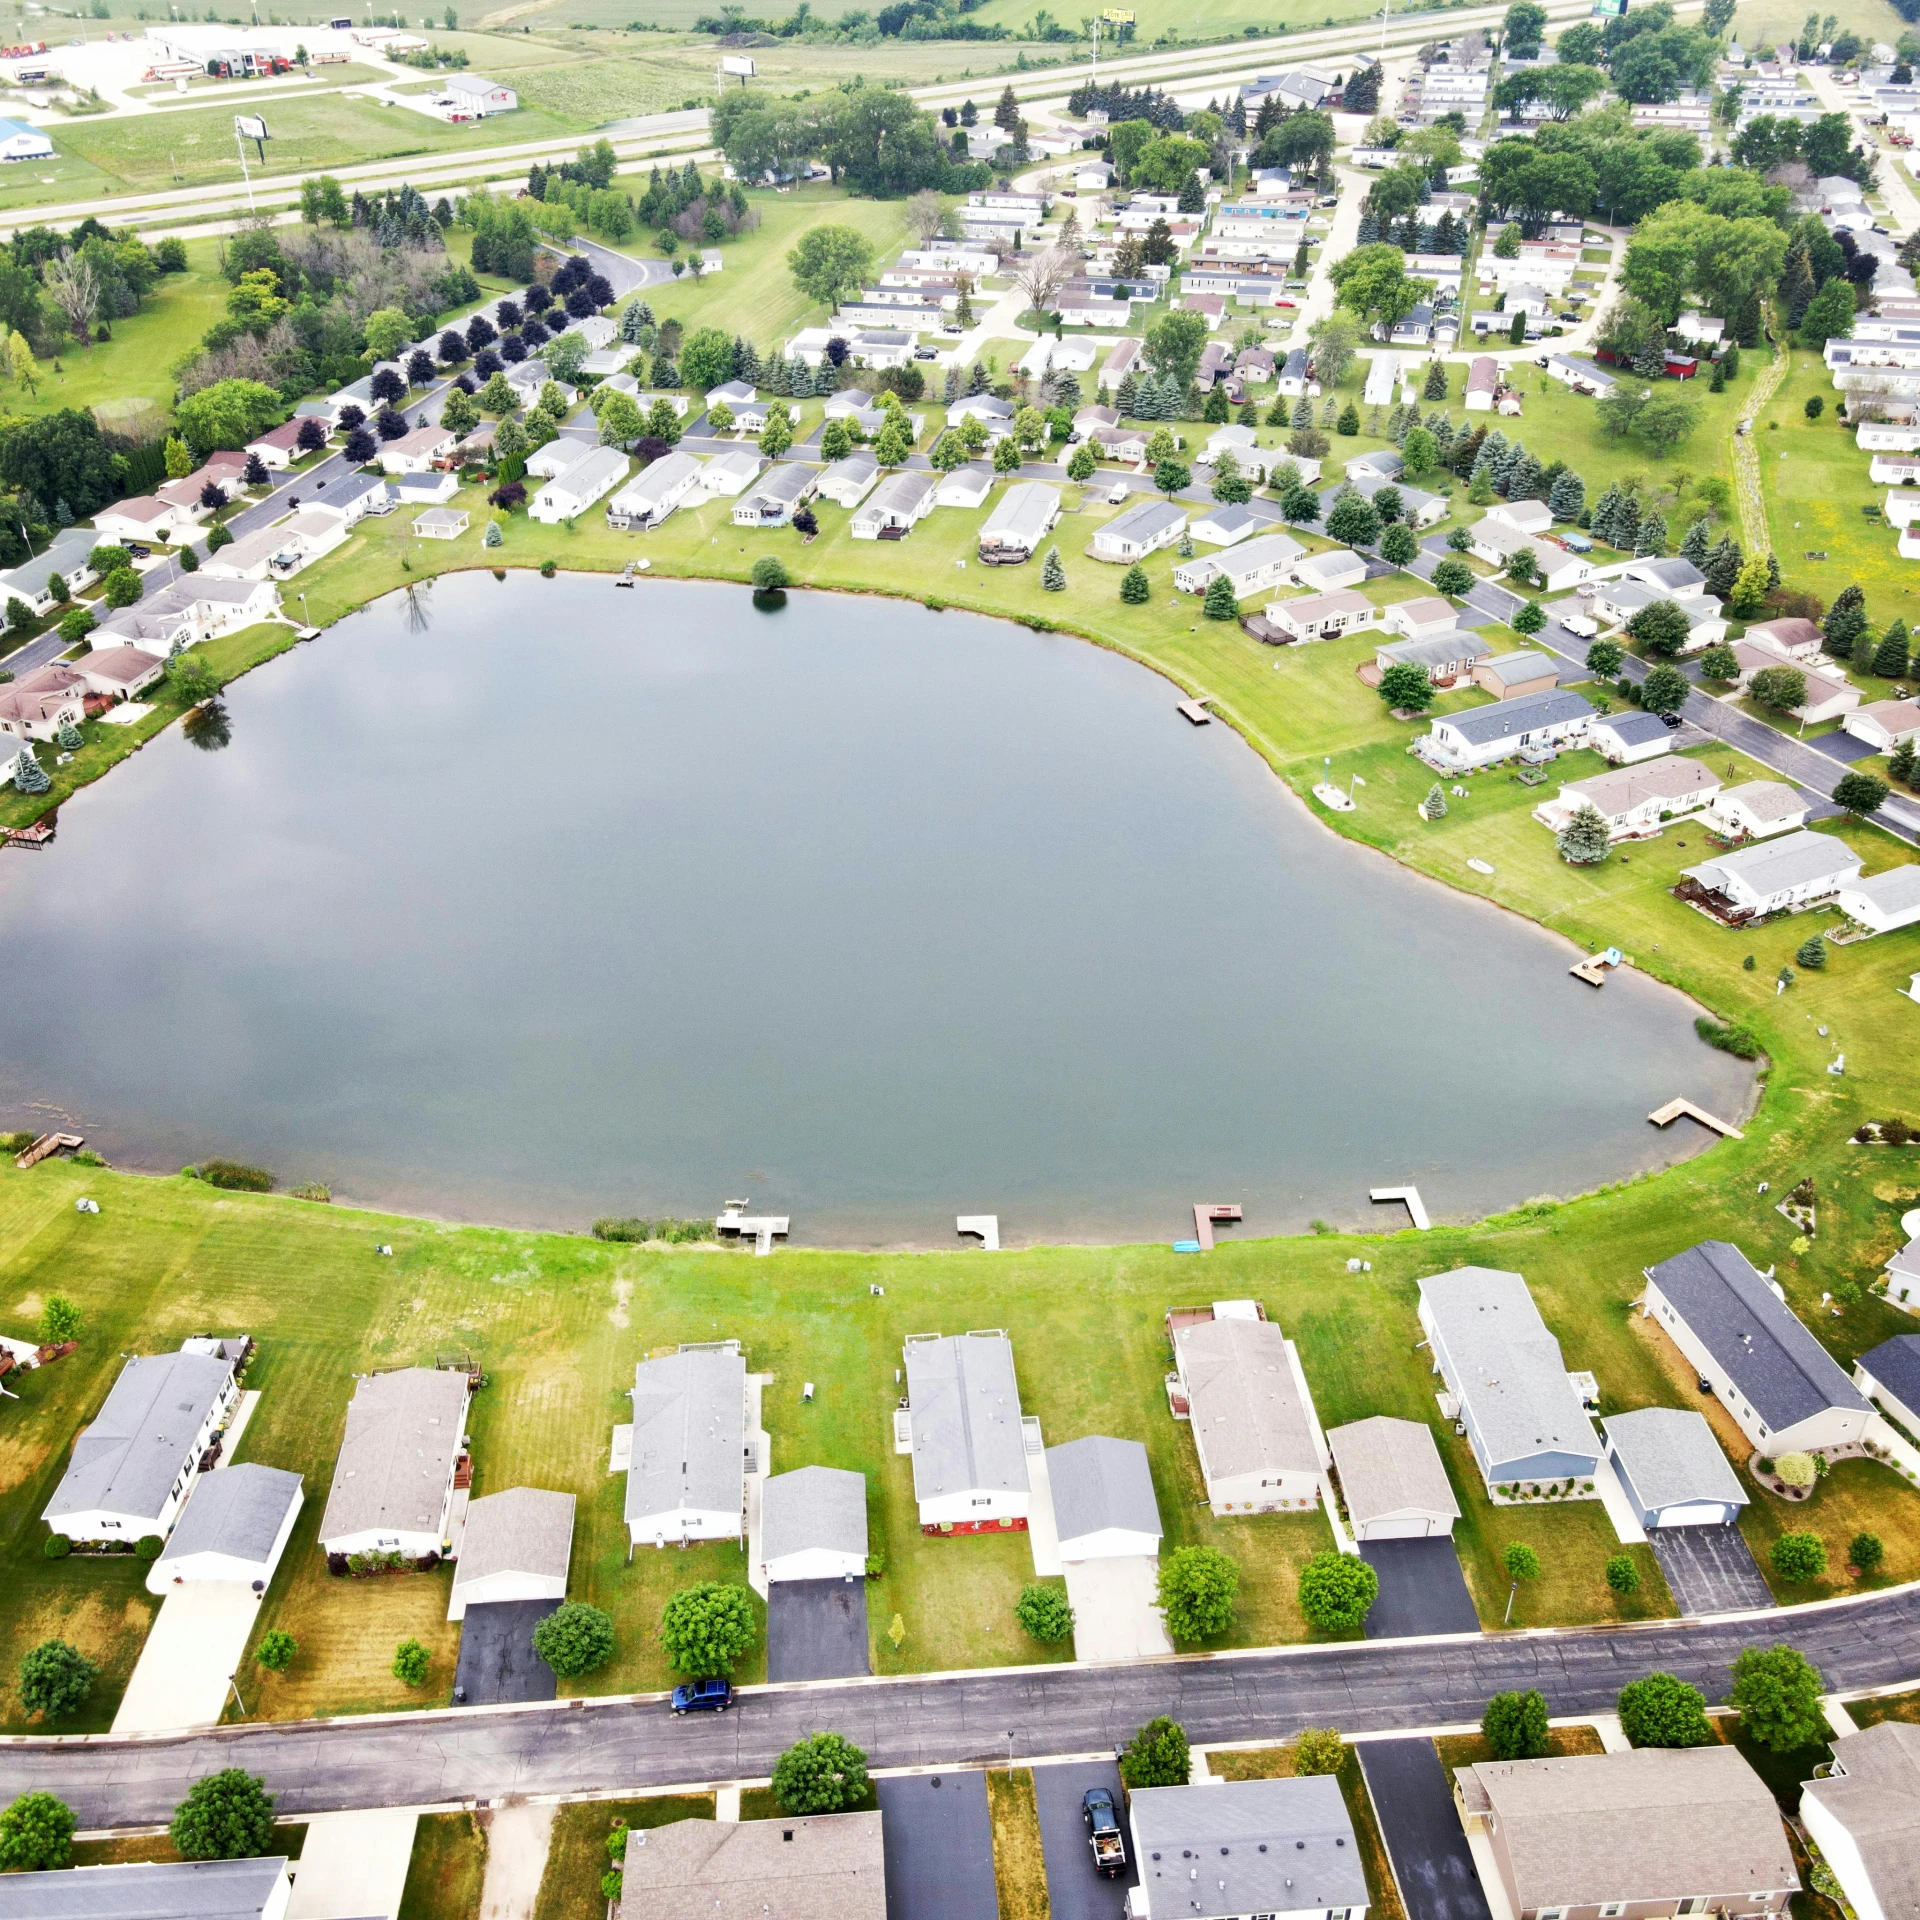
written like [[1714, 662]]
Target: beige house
[[1756, 810], [1634, 800], [819, 1867], [1630, 1836], [119, 673], [415, 452], [1324, 616], [1392, 1480], [1865, 1819], [1883, 724], [1509, 676], [393, 1483], [1254, 1427]]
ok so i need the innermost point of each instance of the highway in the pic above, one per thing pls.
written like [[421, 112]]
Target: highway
[[581, 1748]]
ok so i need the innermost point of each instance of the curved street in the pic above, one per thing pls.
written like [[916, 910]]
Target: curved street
[[577, 1748]]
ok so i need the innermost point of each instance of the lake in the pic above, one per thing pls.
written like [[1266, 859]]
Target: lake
[[529, 901]]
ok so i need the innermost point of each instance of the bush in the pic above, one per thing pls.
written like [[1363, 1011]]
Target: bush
[[1622, 1575], [411, 1663], [235, 1177], [1157, 1756], [1796, 1469], [1742, 1042], [1319, 1750], [1044, 1612], [275, 1651], [1661, 1711], [824, 1773], [57, 1547], [36, 1835], [1866, 1552], [1777, 1694], [226, 1816], [574, 1639], [770, 574], [1799, 1556], [1515, 1725], [55, 1679], [1337, 1590], [149, 1547], [1521, 1562], [1197, 1589], [707, 1628]]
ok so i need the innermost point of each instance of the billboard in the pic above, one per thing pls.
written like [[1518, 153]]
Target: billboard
[[737, 63], [249, 126], [1118, 17]]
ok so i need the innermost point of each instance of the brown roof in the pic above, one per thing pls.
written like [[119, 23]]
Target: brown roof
[[827, 1867], [1792, 632], [39, 695], [125, 664], [285, 437]]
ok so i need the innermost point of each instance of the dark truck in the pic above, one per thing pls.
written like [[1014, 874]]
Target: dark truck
[[1103, 1833]]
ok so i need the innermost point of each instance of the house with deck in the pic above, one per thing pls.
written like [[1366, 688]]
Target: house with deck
[[404, 1450], [1773, 876], [1259, 1441]]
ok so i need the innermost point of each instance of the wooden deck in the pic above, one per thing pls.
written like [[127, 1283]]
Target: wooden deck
[[1677, 1109], [1416, 1210], [1205, 1214], [46, 1144], [1195, 711]]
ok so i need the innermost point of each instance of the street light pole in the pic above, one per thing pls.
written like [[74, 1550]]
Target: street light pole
[[233, 1682], [1507, 1618]]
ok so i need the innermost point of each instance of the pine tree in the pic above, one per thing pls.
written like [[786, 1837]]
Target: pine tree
[[1219, 603], [1442, 430], [1302, 415], [1650, 357], [1773, 571], [1125, 398], [1185, 548], [71, 738], [1582, 842], [1528, 480], [1863, 651], [1651, 541], [1904, 763], [493, 537], [1330, 410], [1135, 588], [950, 392], [1396, 422], [1369, 231], [979, 380], [29, 776], [1723, 565], [1434, 806], [1348, 423], [1796, 282], [1567, 496], [1436, 386], [1844, 620], [1699, 538], [1626, 523], [1053, 576], [1890, 657]]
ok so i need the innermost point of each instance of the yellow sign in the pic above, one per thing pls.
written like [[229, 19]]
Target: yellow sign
[[1118, 16]]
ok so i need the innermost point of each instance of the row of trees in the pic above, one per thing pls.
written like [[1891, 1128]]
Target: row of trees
[[872, 140]]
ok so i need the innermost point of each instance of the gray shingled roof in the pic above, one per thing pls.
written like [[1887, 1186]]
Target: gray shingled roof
[[813, 1507], [1552, 706], [1671, 1457], [1438, 649], [1098, 1483], [1877, 1800], [66, 556], [128, 1459], [238, 1511], [519, 1530], [1895, 1364], [404, 1432], [1894, 891], [966, 1416], [689, 1432], [182, 1890], [1390, 1466], [1771, 866], [1634, 728], [1256, 1846], [1785, 1373]]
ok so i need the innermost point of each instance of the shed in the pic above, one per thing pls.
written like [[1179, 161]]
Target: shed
[[233, 1527], [1883, 901], [1510, 676], [813, 1525], [1672, 1469], [1392, 1479], [516, 1546], [1103, 1502]]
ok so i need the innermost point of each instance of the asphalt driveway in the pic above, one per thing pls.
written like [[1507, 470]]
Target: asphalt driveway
[[817, 1630], [1413, 1801], [1710, 1569], [938, 1844], [497, 1660], [1074, 1890], [1422, 1589]]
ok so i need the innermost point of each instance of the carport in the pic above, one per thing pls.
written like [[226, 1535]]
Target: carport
[[497, 1661], [1413, 1801], [1074, 1890], [196, 1643], [1422, 1589], [938, 1841], [817, 1629]]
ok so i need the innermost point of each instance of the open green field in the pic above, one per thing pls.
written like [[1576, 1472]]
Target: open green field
[[1198, 19]]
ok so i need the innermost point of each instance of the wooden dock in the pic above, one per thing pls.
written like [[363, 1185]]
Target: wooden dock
[[1411, 1196], [1205, 1214], [985, 1225], [48, 1143], [1676, 1109], [40, 834], [1593, 969], [1195, 711]]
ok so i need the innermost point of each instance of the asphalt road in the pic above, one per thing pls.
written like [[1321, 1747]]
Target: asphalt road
[[582, 1747]]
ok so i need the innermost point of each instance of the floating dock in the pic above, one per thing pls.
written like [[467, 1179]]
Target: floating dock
[[1205, 1215], [1593, 968], [761, 1228], [1196, 711], [46, 1144], [1410, 1196], [986, 1225], [1677, 1109]]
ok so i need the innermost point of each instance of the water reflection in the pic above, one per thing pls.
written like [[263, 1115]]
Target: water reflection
[[209, 727]]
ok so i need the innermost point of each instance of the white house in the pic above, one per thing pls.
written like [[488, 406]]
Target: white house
[[1884, 723], [813, 1525], [1785, 1391], [137, 1460], [1535, 723], [847, 482], [686, 1477], [1889, 1375], [1257, 567], [1775, 875], [1634, 800], [1756, 810], [1138, 531], [64, 557], [1671, 1468], [1392, 1480], [1260, 1445], [1483, 383], [1444, 656], [578, 485], [1628, 737], [773, 499], [393, 1482], [969, 1446], [965, 487], [653, 493], [515, 1545], [207, 1889], [731, 471], [1027, 512], [556, 456], [1331, 571], [1524, 516], [1324, 616], [234, 1527], [1883, 901], [1497, 543], [143, 518], [900, 502], [1865, 1818]]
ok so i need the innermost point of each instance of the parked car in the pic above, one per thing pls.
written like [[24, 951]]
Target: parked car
[[703, 1696], [1582, 624]]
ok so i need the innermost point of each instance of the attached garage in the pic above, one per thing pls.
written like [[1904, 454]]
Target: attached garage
[[516, 1546], [1671, 1468], [1392, 1480]]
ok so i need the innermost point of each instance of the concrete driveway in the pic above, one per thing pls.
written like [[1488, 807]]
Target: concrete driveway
[[1116, 1608], [353, 1866], [1422, 1589], [497, 1661], [181, 1677], [938, 1842], [1413, 1801], [1710, 1569], [1074, 1890], [817, 1630]]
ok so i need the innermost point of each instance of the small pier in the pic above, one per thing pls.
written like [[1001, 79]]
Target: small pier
[[1208, 1214], [32, 838], [984, 1225], [1410, 1196], [762, 1229], [1678, 1109], [1195, 711], [1593, 968], [49, 1143], [626, 575]]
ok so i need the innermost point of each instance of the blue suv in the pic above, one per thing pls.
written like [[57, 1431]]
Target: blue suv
[[703, 1696]]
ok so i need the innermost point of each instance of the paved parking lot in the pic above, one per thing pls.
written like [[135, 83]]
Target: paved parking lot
[[1422, 1589], [817, 1630], [938, 1842], [1710, 1569], [1074, 1890], [497, 1660], [1413, 1801]]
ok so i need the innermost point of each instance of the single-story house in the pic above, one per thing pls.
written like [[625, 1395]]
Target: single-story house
[[1524, 516], [1124, 446], [556, 456], [965, 486], [1497, 543], [1512, 676], [1524, 1420], [731, 471], [136, 1461], [847, 482], [1786, 1391], [900, 502], [1634, 800], [515, 1545], [270, 554], [823, 1866], [1223, 526], [529, 379], [1883, 901], [119, 673], [1123, 360], [1257, 567], [1651, 1831], [1884, 723], [431, 489], [1791, 638], [1889, 1375], [354, 495], [1756, 810], [1422, 616], [222, 470], [1254, 1428], [1674, 579], [772, 499], [993, 413], [1284, 1848], [1799, 871], [1628, 737], [1583, 376], [1671, 1468], [1445, 655], [191, 609], [65, 557], [687, 1472], [36, 708], [416, 451], [1392, 1480], [1324, 616], [1865, 1818], [1483, 382], [1383, 461], [1103, 1501], [153, 1890], [1903, 1277], [653, 493], [1138, 531], [1327, 572], [813, 1525], [234, 1527], [279, 447], [393, 1483], [1026, 514], [969, 1446], [733, 395], [144, 517], [578, 485], [1535, 723]]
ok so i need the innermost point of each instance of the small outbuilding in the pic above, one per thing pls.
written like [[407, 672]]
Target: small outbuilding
[[1103, 1501], [234, 1527], [516, 1546], [1671, 1468], [1392, 1479], [1889, 1375], [813, 1525]]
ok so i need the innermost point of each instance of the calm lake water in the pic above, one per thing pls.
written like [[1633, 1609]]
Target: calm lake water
[[538, 900]]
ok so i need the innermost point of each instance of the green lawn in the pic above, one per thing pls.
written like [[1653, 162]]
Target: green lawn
[[577, 1857], [449, 1863]]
